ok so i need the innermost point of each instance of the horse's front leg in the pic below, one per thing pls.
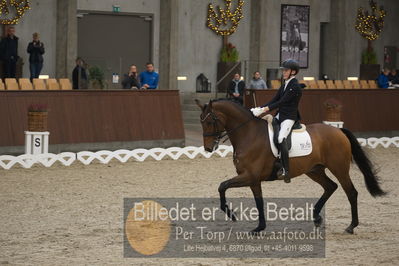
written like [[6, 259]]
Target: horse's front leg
[[257, 191], [242, 180]]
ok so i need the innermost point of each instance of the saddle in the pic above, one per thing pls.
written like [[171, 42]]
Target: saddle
[[299, 141], [297, 127]]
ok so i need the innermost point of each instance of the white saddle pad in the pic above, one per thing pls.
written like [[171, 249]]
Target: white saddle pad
[[301, 143]]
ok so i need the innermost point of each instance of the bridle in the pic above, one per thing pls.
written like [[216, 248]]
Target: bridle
[[217, 133]]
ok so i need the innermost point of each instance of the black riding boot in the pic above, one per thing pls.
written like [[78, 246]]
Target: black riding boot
[[284, 161]]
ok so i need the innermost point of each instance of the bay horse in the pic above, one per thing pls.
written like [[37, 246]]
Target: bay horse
[[254, 161]]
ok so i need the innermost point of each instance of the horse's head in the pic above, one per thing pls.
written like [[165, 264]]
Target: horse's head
[[212, 125]]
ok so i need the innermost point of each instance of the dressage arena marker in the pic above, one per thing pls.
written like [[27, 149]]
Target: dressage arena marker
[[36, 142], [140, 155]]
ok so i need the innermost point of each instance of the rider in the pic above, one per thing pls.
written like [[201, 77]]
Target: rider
[[286, 101]]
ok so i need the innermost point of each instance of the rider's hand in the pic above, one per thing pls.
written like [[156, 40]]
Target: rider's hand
[[259, 110]]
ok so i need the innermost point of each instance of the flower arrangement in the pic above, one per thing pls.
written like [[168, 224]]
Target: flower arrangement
[[332, 104], [229, 53], [37, 117], [333, 110], [37, 108]]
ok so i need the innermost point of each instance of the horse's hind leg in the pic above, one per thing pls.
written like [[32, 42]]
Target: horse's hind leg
[[342, 174], [318, 175], [238, 181]]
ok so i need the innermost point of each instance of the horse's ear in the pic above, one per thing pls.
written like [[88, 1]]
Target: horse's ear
[[199, 104]]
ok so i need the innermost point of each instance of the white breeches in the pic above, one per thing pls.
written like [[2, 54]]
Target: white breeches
[[285, 129]]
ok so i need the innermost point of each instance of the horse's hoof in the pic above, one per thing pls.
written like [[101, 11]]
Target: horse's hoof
[[233, 217], [318, 221], [349, 230], [257, 230]]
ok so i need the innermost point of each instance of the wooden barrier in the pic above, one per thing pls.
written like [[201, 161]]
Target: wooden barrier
[[94, 116], [368, 110]]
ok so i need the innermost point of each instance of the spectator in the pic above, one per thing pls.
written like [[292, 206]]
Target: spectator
[[383, 81], [35, 51], [257, 82], [9, 53], [130, 79], [236, 88], [79, 75], [394, 77], [149, 78]]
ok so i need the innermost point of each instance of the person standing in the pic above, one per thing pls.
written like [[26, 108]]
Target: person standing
[[130, 79], [236, 89], [257, 82], [149, 78], [79, 75], [35, 51], [9, 53]]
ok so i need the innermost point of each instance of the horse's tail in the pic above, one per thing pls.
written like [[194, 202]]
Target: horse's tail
[[365, 165]]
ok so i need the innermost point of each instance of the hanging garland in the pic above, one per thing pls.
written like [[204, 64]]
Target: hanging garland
[[20, 6], [218, 21], [370, 25]]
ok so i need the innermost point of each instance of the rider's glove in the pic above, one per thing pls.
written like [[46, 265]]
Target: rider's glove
[[257, 111]]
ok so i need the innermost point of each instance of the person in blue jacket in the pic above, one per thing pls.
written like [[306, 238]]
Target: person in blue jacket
[[383, 81], [149, 78]]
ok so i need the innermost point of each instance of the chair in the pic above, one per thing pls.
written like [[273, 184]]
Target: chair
[[347, 84], [2, 87], [276, 84], [39, 84], [356, 84], [25, 84], [52, 84], [339, 84], [330, 84], [11, 84], [313, 84], [65, 84], [321, 84], [373, 84], [364, 84]]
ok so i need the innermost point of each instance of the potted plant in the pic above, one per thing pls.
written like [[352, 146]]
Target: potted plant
[[369, 68], [229, 54], [370, 24], [333, 109], [96, 77], [228, 63], [37, 117]]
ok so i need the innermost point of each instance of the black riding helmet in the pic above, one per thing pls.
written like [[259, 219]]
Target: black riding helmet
[[291, 64]]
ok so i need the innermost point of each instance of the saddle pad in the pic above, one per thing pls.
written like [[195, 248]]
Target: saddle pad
[[301, 143]]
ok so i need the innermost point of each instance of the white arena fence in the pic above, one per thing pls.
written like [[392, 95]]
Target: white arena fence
[[140, 155]]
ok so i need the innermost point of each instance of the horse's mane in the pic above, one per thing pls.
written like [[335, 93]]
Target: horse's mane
[[236, 105]]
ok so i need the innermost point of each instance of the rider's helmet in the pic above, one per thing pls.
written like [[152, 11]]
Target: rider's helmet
[[291, 64]]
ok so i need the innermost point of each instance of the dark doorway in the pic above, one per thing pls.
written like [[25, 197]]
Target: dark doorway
[[114, 42]]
